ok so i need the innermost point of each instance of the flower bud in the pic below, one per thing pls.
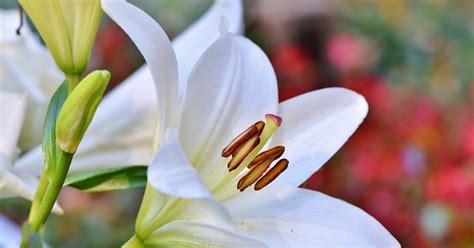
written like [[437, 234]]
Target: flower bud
[[68, 27], [78, 110]]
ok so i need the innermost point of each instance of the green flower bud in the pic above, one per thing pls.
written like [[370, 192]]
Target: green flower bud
[[68, 27], [78, 110]]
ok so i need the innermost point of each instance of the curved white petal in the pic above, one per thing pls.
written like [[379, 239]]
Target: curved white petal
[[12, 113], [305, 218], [232, 86], [171, 173], [156, 48], [19, 183], [11, 233], [188, 234], [315, 125], [12, 183], [192, 42]]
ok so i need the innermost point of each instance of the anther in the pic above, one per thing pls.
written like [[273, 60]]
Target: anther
[[272, 154], [273, 173], [254, 130], [241, 152], [253, 175]]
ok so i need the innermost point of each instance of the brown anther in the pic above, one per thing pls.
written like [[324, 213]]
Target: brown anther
[[254, 130], [253, 175], [273, 173], [259, 125], [241, 152], [272, 154]]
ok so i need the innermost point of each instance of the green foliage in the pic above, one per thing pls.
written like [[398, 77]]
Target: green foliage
[[109, 179]]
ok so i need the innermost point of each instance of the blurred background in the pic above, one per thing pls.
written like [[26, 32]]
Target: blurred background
[[410, 164]]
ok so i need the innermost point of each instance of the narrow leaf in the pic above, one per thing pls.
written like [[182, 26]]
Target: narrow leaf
[[51, 150], [109, 179]]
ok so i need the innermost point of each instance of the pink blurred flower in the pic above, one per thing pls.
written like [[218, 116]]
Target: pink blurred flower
[[348, 52]]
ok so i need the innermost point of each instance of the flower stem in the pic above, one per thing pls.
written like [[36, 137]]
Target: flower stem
[[73, 81], [48, 192], [134, 242]]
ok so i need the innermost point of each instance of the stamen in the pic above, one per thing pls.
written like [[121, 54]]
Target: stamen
[[241, 152], [273, 173], [253, 175], [255, 129], [245, 149], [272, 154]]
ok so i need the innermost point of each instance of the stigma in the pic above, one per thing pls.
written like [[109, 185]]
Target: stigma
[[244, 151]]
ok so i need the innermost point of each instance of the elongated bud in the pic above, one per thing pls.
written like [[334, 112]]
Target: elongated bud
[[78, 110], [68, 27]]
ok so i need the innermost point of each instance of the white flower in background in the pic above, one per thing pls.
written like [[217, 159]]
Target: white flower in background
[[127, 140], [12, 110], [26, 67], [11, 233], [28, 77], [14, 182], [193, 199]]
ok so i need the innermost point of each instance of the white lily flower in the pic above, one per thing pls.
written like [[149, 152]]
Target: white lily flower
[[13, 181], [26, 67], [132, 105], [194, 200]]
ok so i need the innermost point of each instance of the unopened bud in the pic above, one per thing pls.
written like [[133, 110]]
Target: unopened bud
[[79, 109], [68, 27]]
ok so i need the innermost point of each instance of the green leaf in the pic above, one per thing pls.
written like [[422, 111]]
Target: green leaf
[[51, 150], [56, 163], [109, 179]]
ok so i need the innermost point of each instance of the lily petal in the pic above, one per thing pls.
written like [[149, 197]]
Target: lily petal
[[12, 112], [164, 209], [16, 183], [128, 139], [11, 233], [192, 42], [171, 173], [156, 48], [305, 218], [232, 86], [186, 234], [316, 125]]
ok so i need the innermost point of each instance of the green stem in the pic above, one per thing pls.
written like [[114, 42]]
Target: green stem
[[39, 215], [73, 81], [134, 242], [40, 191]]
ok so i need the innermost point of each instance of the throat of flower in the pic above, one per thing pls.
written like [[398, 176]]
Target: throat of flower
[[246, 160]]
